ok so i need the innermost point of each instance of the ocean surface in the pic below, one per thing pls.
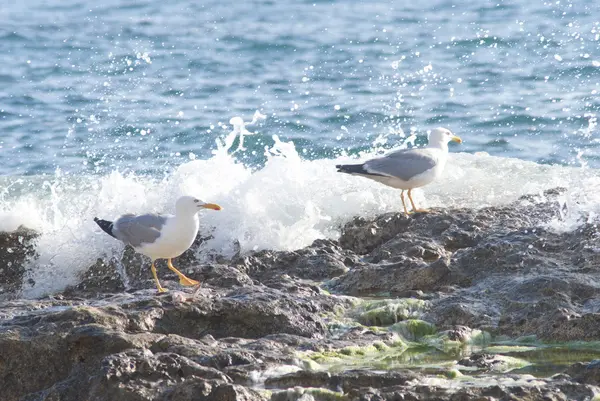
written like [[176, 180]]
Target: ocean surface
[[125, 105]]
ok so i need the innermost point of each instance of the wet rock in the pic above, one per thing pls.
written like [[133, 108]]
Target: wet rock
[[322, 260], [491, 362], [588, 373], [231, 358], [16, 249], [153, 339], [534, 390], [232, 392], [50, 343], [495, 269], [357, 379], [133, 375], [401, 277], [264, 318], [101, 277], [362, 235], [249, 312], [302, 378], [220, 276], [308, 394], [461, 334]]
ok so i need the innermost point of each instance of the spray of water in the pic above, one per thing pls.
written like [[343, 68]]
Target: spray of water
[[285, 205]]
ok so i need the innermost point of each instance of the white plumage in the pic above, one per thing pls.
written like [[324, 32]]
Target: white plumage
[[161, 236], [407, 169]]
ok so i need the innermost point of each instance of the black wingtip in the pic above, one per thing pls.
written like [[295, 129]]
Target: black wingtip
[[351, 168], [105, 225]]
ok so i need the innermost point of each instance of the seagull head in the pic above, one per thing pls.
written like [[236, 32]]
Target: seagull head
[[441, 136], [191, 205]]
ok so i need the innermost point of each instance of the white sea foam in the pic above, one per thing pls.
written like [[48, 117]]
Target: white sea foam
[[285, 205]]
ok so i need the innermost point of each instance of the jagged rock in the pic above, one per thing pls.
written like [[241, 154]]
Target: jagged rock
[[16, 249], [302, 378], [249, 313], [80, 337], [588, 373], [401, 278], [512, 388], [344, 382], [322, 260], [265, 320]]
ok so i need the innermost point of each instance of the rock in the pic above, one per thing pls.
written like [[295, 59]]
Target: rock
[[249, 312], [587, 373], [402, 277], [302, 378], [443, 280], [133, 375], [17, 248], [101, 277], [552, 392], [362, 236], [360, 379], [220, 276], [492, 363], [232, 392], [324, 259]]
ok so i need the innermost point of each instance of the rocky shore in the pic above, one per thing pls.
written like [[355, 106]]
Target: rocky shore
[[455, 304]]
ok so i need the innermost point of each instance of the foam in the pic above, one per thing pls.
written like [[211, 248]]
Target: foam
[[285, 205]]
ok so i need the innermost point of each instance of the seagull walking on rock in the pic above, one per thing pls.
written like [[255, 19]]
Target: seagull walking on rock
[[407, 169], [160, 236]]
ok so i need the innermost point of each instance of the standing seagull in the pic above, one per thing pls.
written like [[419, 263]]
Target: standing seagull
[[407, 168], [160, 236]]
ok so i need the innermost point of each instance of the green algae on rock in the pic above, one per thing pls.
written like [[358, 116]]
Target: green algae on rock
[[414, 329], [385, 312]]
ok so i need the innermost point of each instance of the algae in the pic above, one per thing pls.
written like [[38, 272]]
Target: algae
[[385, 312], [419, 346], [318, 394], [413, 329]]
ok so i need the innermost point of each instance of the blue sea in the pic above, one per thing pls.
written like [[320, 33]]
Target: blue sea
[[122, 106]]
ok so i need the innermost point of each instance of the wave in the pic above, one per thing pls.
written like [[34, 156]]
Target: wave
[[284, 205]]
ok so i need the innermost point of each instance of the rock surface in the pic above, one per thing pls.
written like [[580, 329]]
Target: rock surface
[[16, 250], [453, 304]]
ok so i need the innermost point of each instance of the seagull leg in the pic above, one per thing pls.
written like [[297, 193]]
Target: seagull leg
[[158, 286], [413, 204], [406, 212], [183, 280]]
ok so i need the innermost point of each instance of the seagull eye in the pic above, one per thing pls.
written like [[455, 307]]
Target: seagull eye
[[196, 201]]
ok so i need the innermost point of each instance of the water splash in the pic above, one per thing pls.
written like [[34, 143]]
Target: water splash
[[239, 130], [285, 205]]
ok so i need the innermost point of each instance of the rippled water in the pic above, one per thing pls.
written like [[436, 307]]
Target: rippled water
[[138, 85], [122, 106]]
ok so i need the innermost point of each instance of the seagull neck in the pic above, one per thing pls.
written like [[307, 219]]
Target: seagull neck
[[439, 145], [181, 215]]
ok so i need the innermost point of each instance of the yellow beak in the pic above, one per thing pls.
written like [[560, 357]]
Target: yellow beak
[[212, 206], [456, 139]]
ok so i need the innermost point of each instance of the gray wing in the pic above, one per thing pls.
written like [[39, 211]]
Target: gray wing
[[137, 230], [403, 164]]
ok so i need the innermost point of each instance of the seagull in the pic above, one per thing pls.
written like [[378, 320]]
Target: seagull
[[160, 236], [407, 169]]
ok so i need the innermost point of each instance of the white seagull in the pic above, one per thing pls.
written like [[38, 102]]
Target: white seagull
[[406, 169], [160, 236]]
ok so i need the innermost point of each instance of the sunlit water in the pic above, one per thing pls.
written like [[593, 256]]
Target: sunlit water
[[123, 106]]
